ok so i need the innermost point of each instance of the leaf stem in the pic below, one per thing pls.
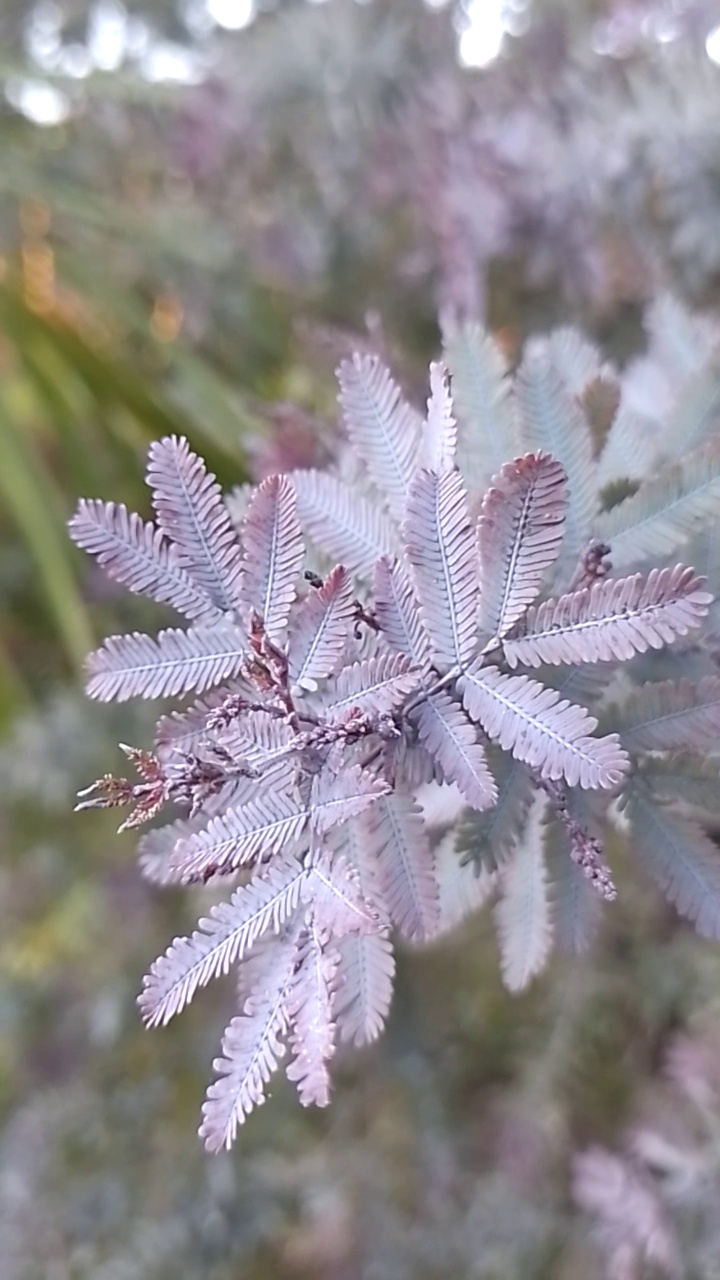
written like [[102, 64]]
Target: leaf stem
[[440, 684]]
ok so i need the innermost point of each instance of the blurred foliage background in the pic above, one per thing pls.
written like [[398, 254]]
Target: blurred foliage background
[[203, 204]]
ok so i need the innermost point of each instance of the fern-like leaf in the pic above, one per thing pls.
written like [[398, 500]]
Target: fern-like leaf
[[338, 903], [523, 914], [694, 416], [320, 631], [575, 905], [274, 550], [156, 847], [630, 450], [336, 797], [679, 339], [252, 1047], [683, 861], [577, 360], [666, 510], [221, 939], [311, 1010], [669, 715], [346, 525], [256, 736], [613, 619], [450, 738], [397, 612], [381, 426], [462, 891], [685, 777], [481, 400], [552, 421], [262, 827], [520, 531], [191, 512], [373, 686], [486, 839], [409, 763], [547, 732], [365, 986], [439, 441], [441, 550], [138, 556], [138, 666], [397, 836], [367, 966]]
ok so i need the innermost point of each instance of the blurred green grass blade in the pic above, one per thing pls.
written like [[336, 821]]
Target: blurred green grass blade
[[50, 380], [218, 409], [111, 379], [32, 499], [94, 446], [180, 235], [122, 392], [226, 415], [14, 693]]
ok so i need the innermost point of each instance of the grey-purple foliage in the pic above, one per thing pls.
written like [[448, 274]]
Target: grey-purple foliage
[[365, 736]]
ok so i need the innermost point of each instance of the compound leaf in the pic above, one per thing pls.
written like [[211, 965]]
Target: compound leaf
[[441, 549], [575, 905], [320, 630], [396, 834], [365, 986], [439, 441], [345, 524], [487, 838], [397, 612], [336, 797], [481, 399], [381, 426], [252, 1047], [311, 1009], [523, 915], [273, 554], [538, 726], [613, 619], [451, 739], [551, 420], [260, 828], [669, 715], [138, 666], [520, 531], [138, 556], [374, 686], [221, 939], [191, 512], [683, 861], [666, 510]]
